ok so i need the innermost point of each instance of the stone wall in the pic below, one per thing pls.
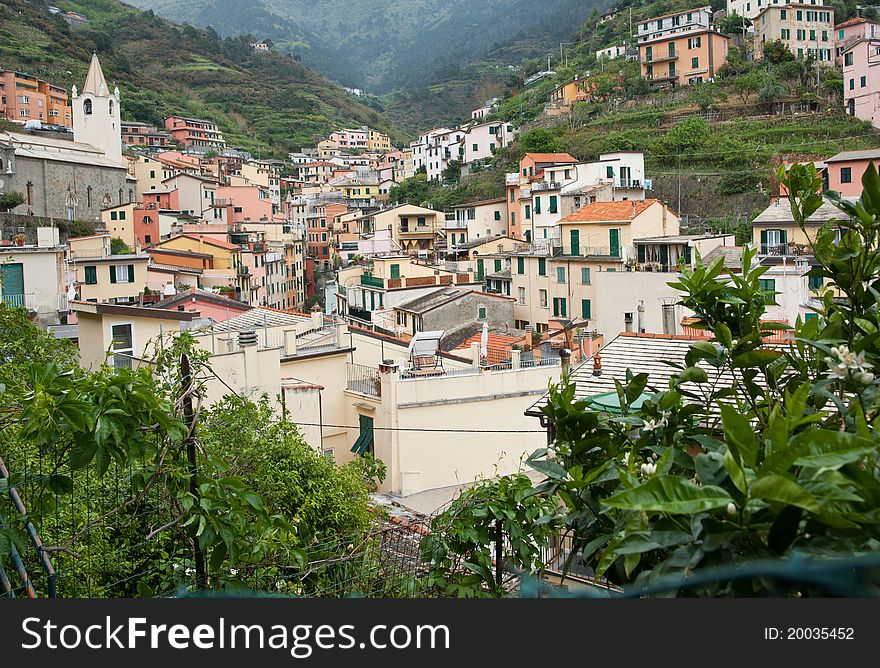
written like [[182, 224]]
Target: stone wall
[[50, 181]]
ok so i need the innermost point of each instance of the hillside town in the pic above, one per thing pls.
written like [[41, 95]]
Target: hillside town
[[380, 322]]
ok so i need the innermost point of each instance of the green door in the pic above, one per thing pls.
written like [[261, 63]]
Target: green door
[[575, 242], [12, 276], [480, 270], [395, 271], [614, 243]]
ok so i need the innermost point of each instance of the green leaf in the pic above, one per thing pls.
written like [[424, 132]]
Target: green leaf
[[756, 358], [780, 489], [734, 470], [670, 494], [693, 374], [549, 468], [739, 435], [832, 449]]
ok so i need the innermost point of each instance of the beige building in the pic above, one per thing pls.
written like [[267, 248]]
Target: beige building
[[414, 229], [119, 222], [33, 276], [807, 30], [378, 141], [101, 276], [149, 173], [476, 220]]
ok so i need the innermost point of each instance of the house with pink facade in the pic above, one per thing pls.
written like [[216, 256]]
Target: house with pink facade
[[845, 171], [240, 204], [205, 303], [846, 34], [861, 74]]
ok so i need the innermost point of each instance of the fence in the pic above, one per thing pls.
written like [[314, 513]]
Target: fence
[[363, 379]]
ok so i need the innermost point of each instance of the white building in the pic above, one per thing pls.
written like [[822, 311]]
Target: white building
[[483, 139], [751, 8], [699, 18], [611, 52]]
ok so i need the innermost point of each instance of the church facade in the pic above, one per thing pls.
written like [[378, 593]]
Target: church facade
[[71, 180]]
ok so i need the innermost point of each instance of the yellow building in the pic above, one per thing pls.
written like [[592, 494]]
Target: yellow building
[[378, 141], [119, 222], [103, 277], [413, 228]]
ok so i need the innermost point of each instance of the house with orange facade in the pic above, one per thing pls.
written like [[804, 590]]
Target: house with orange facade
[[680, 49], [195, 133], [24, 97]]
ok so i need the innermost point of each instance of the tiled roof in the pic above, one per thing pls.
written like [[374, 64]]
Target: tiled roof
[[641, 353], [869, 154], [551, 157], [780, 212], [851, 22], [259, 316], [609, 211], [434, 299], [498, 346], [732, 256]]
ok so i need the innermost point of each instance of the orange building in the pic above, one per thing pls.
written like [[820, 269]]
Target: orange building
[[195, 132], [24, 97], [683, 59]]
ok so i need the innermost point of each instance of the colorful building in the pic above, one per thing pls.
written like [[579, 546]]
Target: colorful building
[[195, 133], [807, 30], [24, 97]]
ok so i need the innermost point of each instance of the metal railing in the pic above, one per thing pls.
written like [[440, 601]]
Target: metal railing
[[785, 250], [545, 185], [27, 300], [363, 379], [372, 281]]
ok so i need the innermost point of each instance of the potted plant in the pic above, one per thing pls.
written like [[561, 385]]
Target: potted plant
[[20, 239]]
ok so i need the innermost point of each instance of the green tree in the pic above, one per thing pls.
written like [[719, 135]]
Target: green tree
[[776, 52], [708, 96], [10, 200], [119, 247], [539, 140]]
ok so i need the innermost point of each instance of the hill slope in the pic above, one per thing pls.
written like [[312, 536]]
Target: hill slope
[[264, 102], [380, 45]]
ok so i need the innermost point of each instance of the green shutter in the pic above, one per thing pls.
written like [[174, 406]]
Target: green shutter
[[614, 242], [12, 281], [542, 266], [585, 275], [575, 242], [537, 205], [562, 307], [91, 275], [585, 309], [520, 265], [556, 306], [395, 271], [497, 265], [553, 201], [497, 215], [131, 273], [480, 269], [112, 273], [763, 242], [364, 442], [783, 237]]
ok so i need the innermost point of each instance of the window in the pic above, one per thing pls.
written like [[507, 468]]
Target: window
[[852, 84], [768, 286], [122, 215], [112, 215], [585, 275], [559, 307], [695, 42], [522, 296], [91, 275], [122, 273], [560, 274], [520, 265], [848, 58], [475, 147], [542, 266], [542, 298], [785, 33], [695, 62], [513, 193], [846, 172], [497, 266], [87, 107], [481, 313], [395, 271], [863, 82], [799, 15], [585, 309], [815, 282], [122, 345], [528, 211], [537, 205], [497, 214], [783, 14], [554, 208]]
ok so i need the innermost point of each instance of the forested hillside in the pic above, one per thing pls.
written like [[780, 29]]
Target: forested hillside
[[265, 102]]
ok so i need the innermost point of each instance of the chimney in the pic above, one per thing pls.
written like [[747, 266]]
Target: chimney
[[597, 365], [247, 338], [633, 203], [628, 322], [565, 358]]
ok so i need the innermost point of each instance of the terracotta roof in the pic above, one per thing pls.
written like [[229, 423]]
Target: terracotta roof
[[551, 157], [851, 22], [609, 211], [498, 346]]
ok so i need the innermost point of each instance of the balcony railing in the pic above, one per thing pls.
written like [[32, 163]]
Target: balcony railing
[[28, 300], [243, 271], [455, 225], [785, 250], [629, 183], [372, 281], [364, 379], [545, 185], [360, 314], [661, 58]]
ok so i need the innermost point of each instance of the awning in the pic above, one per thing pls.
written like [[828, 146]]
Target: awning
[[610, 402]]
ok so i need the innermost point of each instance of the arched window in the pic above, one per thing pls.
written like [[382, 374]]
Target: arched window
[[89, 197], [87, 107], [111, 107]]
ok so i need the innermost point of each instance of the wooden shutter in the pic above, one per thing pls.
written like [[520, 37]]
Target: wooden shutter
[[131, 273], [112, 273]]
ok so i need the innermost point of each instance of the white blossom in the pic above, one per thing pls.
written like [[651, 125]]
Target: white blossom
[[731, 509]]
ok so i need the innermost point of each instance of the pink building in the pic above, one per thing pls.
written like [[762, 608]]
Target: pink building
[[845, 170], [207, 304], [241, 204], [846, 34], [861, 76]]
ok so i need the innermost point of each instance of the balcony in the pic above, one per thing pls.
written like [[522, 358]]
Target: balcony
[[359, 314], [455, 225], [27, 300], [545, 185], [416, 230], [669, 57], [785, 250], [372, 281], [363, 380], [243, 272]]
